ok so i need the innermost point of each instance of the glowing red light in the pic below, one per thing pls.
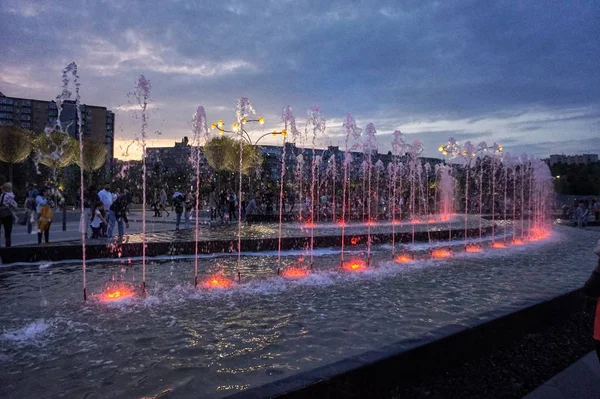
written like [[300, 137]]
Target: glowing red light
[[431, 220], [414, 220], [517, 241], [498, 244], [295, 272], [396, 222], [117, 293], [354, 240], [445, 217], [441, 253], [538, 234], [217, 281], [404, 258], [309, 225], [355, 266], [371, 223], [340, 223], [473, 248]]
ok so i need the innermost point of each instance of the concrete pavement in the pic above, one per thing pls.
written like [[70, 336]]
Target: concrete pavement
[[21, 237], [580, 380]]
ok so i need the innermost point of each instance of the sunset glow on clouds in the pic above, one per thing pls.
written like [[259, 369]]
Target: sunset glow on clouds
[[523, 74]]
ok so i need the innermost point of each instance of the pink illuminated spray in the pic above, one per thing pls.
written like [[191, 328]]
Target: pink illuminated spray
[[71, 70], [201, 134], [352, 131], [369, 146], [315, 124], [242, 111], [141, 92], [289, 122]]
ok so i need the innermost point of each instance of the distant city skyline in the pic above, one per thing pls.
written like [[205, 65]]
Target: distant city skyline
[[523, 75]]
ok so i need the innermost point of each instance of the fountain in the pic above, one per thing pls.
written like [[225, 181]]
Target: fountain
[[248, 332], [141, 93]]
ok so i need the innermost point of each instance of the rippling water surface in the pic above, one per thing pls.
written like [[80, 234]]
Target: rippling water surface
[[211, 342]]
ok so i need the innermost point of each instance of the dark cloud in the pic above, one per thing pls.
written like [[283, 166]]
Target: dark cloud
[[495, 67]]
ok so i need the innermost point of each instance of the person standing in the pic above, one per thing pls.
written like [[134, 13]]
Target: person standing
[[106, 197], [178, 202], [231, 205], [213, 203], [43, 209], [579, 215], [119, 207], [163, 201], [189, 206], [291, 200], [8, 206], [30, 196], [90, 197], [592, 289], [97, 220]]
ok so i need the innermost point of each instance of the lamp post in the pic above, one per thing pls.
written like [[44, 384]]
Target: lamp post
[[238, 129]]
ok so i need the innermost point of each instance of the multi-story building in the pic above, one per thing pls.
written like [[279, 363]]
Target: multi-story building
[[98, 123], [172, 158], [572, 159]]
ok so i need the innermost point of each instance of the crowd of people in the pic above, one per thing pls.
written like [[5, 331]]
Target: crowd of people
[[102, 211], [38, 205], [581, 212]]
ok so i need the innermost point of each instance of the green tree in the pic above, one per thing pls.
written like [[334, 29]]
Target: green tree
[[55, 150], [94, 156], [15, 146]]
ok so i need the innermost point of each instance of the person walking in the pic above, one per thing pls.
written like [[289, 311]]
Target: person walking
[[592, 289], [43, 209], [106, 197], [8, 206]]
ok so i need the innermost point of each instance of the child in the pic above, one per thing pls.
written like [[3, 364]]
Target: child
[[97, 220], [592, 288]]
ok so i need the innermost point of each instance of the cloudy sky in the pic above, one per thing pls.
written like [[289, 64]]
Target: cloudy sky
[[522, 73]]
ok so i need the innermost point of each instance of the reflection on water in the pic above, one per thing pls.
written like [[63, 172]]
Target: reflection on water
[[232, 334]]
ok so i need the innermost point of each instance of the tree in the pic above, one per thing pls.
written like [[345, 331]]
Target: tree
[[15, 146], [94, 156], [55, 149], [217, 151]]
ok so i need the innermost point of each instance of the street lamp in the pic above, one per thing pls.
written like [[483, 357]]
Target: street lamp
[[239, 130]]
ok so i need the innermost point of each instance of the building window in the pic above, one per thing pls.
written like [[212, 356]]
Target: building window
[[27, 103], [25, 117], [6, 108], [6, 115], [25, 124]]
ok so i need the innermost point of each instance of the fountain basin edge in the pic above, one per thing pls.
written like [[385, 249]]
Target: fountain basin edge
[[375, 373], [184, 244]]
